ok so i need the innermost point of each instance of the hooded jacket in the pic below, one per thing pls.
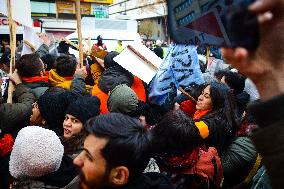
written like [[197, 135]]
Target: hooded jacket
[[69, 83], [269, 140], [15, 116], [38, 88], [111, 78]]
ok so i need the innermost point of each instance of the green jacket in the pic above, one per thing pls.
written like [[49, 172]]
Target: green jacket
[[16, 116]]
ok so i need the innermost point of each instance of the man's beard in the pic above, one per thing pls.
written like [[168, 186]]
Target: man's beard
[[102, 184]]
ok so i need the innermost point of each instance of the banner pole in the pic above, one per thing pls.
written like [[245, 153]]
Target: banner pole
[[78, 15], [207, 54], [12, 29]]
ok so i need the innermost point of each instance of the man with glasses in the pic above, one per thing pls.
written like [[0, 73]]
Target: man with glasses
[[32, 72]]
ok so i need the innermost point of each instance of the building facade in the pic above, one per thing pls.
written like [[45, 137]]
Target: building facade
[[59, 16], [151, 12]]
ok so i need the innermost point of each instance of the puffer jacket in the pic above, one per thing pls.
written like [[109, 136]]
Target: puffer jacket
[[38, 88], [268, 139], [114, 76], [15, 116], [238, 160], [75, 83]]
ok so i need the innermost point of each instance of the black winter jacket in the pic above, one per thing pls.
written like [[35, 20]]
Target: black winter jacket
[[269, 139], [16, 116]]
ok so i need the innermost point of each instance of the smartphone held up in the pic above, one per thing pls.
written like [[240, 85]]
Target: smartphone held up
[[220, 23]]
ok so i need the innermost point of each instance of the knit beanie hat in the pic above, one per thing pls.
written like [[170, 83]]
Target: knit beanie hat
[[84, 108], [52, 107], [122, 99], [36, 152], [108, 60]]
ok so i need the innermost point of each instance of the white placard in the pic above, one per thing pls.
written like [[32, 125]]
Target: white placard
[[21, 11], [31, 36], [134, 64]]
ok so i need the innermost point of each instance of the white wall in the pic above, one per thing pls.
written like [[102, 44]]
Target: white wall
[[59, 24], [134, 10]]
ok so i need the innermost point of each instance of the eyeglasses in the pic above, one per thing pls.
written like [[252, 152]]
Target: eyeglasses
[[44, 67]]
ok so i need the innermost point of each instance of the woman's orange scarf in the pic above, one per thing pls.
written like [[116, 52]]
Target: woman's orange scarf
[[199, 113]]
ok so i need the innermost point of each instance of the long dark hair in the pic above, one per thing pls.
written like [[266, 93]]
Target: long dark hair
[[224, 107]]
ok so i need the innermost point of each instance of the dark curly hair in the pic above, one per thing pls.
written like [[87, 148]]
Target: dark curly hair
[[66, 65]]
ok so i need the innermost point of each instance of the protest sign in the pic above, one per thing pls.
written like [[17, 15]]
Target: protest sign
[[140, 61], [21, 11], [180, 68], [30, 38]]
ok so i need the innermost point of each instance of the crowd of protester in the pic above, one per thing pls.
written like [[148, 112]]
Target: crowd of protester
[[73, 126]]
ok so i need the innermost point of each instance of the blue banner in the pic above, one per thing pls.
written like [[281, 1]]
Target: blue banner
[[180, 68]]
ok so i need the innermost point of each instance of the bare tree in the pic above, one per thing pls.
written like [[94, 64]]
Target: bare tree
[[147, 28], [153, 6]]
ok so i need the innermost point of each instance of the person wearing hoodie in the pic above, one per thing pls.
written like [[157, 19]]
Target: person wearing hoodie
[[77, 114], [116, 152], [38, 161], [122, 99], [62, 75], [68, 75], [115, 75]]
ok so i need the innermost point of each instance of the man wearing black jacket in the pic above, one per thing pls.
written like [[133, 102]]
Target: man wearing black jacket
[[116, 152]]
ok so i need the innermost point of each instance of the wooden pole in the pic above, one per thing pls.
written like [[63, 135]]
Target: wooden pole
[[12, 28], [90, 44], [71, 43], [33, 48], [142, 57], [207, 54], [186, 94], [78, 15]]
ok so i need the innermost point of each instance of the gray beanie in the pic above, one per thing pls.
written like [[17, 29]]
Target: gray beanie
[[122, 99], [36, 152]]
